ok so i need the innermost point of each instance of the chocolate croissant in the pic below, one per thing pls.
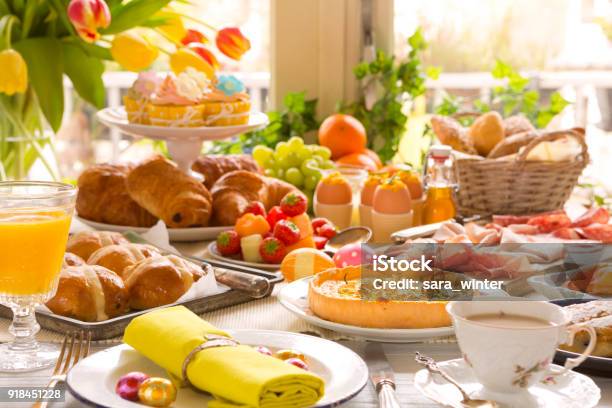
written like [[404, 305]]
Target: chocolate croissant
[[159, 281], [117, 258], [86, 243], [180, 200], [103, 197], [90, 293], [212, 167], [234, 191]]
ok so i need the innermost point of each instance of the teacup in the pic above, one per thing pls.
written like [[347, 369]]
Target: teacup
[[510, 359]]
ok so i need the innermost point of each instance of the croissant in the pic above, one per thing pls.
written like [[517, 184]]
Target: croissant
[[86, 243], [159, 281], [103, 197], [89, 293], [212, 167], [234, 191], [178, 199], [118, 257]]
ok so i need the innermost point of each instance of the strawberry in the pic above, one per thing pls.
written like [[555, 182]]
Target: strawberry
[[255, 207], [319, 222], [326, 230], [294, 204], [272, 250], [275, 215], [228, 243], [320, 242], [287, 232]]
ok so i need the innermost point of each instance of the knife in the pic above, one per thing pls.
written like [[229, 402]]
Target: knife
[[381, 375]]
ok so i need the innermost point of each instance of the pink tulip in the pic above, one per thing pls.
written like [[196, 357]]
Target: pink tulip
[[87, 16]]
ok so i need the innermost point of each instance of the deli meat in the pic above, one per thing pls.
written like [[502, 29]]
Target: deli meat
[[595, 215], [598, 232]]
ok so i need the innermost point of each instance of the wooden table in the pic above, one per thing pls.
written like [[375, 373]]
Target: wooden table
[[401, 357]]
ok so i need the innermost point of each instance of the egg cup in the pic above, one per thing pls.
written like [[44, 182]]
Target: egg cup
[[339, 214], [383, 225], [365, 215]]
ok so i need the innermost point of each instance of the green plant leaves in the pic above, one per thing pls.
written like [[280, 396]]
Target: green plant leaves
[[133, 13], [45, 70], [85, 72]]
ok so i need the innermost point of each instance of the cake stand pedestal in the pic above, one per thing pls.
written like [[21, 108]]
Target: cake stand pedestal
[[184, 143]]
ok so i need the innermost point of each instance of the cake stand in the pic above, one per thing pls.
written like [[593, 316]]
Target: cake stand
[[184, 143]]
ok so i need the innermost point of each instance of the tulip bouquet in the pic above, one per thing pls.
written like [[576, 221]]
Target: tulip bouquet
[[43, 40]]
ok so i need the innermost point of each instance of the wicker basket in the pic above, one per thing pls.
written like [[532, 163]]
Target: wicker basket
[[517, 186]]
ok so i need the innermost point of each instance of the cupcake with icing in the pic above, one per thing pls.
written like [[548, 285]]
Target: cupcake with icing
[[226, 103], [178, 101], [138, 97]]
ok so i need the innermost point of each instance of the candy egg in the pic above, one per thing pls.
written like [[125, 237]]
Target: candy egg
[[157, 392], [287, 354], [263, 350], [127, 386], [298, 363]]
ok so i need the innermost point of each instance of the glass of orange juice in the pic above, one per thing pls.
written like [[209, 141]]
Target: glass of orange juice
[[34, 224]]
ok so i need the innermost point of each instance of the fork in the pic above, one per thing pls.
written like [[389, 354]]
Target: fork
[[76, 350]]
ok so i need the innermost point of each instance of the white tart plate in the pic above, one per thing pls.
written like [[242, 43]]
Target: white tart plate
[[175, 234], [571, 390], [294, 297], [116, 117], [342, 380], [214, 253]]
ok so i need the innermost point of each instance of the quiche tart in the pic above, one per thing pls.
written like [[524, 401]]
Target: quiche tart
[[337, 295]]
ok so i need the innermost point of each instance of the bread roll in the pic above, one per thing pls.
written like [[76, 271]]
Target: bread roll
[[159, 281], [512, 144], [86, 243], [178, 199], [89, 293], [486, 132], [517, 124], [119, 257], [71, 259], [450, 132]]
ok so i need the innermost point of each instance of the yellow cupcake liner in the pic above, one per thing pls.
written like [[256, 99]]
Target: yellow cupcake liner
[[227, 113], [136, 110], [176, 116]]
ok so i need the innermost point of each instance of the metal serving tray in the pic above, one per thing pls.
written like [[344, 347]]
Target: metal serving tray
[[114, 327]]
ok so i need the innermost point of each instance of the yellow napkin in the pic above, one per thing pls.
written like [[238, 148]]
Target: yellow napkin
[[237, 376]]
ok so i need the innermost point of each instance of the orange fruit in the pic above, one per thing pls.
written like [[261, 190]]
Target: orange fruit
[[342, 134], [374, 156], [362, 160]]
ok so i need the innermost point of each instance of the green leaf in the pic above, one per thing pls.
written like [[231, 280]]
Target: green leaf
[[45, 70], [85, 72], [417, 41], [132, 14], [433, 72]]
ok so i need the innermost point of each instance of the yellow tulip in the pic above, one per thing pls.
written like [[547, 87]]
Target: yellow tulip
[[133, 51], [174, 28], [14, 72], [184, 57]]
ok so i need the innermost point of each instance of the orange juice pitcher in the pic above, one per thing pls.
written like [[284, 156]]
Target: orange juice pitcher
[[439, 185]]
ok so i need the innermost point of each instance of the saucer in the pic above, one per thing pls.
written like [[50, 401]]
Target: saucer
[[570, 390]]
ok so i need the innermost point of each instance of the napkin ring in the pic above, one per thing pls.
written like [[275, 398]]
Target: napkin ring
[[212, 341]]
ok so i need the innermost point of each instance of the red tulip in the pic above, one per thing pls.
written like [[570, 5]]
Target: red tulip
[[87, 16], [205, 53], [232, 42], [194, 36]]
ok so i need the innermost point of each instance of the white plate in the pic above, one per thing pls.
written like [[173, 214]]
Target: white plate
[[214, 253], [294, 297], [571, 390], [117, 117], [175, 234], [93, 379]]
